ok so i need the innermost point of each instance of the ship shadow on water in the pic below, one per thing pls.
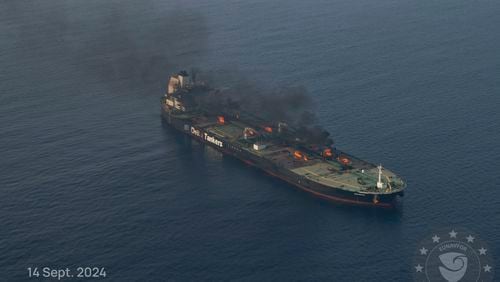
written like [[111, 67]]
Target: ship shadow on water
[[188, 146]]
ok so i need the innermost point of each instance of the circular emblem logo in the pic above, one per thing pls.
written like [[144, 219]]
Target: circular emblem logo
[[453, 255]]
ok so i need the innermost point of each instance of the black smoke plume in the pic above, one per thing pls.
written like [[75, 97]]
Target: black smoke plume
[[232, 94], [139, 45]]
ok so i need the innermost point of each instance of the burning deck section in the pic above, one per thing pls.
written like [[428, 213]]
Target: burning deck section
[[359, 176]]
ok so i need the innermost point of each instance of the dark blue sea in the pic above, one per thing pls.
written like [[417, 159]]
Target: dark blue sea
[[90, 176]]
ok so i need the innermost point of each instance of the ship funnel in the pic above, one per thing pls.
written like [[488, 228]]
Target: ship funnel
[[177, 81], [184, 78]]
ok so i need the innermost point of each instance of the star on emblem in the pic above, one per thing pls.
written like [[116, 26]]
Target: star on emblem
[[470, 239], [482, 251], [487, 268], [423, 251], [435, 239], [453, 234], [418, 268]]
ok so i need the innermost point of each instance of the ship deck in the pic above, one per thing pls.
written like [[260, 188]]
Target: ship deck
[[230, 131], [361, 176]]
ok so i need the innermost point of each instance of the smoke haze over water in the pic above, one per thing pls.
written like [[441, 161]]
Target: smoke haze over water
[[139, 46]]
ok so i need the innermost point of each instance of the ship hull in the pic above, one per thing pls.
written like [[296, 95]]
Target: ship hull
[[337, 195]]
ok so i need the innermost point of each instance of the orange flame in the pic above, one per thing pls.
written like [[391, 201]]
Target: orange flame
[[327, 153], [300, 156], [297, 155], [344, 160], [268, 129], [221, 120]]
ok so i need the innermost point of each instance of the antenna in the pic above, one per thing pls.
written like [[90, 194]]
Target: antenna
[[380, 184]]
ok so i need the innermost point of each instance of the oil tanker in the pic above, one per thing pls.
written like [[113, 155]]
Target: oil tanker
[[276, 148]]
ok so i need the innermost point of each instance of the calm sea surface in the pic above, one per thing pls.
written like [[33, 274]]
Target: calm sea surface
[[89, 175]]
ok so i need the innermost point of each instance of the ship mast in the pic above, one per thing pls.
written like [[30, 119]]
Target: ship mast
[[380, 184]]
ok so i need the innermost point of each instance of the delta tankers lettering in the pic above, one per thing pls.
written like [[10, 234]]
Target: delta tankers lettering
[[213, 140], [196, 132], [306, 160]]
